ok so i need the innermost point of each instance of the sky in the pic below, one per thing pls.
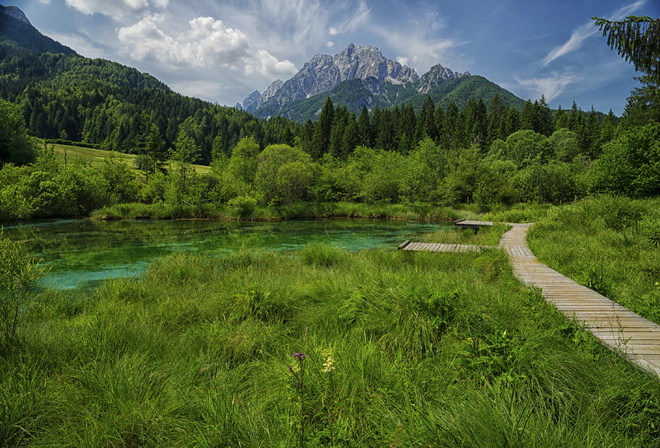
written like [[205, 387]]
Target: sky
[[222, 50]]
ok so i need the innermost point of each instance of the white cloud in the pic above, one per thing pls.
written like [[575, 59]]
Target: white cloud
[[330, 44], [207, 43], [419, 41], [358, 18], [550, 86], [266, 63], [588, 30], [401, 60], [209, 90], [113, 8], [421, 52], [44, 2], [80, 44], [625, 11], [572, 44]]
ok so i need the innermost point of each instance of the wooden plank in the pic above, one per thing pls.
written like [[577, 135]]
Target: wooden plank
[[633, 337], [467, 224]]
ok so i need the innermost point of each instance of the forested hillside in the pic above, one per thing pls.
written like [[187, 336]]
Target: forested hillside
[[65, 96]]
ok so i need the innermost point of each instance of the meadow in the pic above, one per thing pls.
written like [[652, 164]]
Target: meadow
[[609, 244], [317, 347], [95, 158]]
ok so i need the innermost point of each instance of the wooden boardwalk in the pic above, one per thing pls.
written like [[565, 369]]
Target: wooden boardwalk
[[466, 224], [630, 335], [437, 247]]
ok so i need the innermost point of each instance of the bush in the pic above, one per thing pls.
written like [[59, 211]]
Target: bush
[[243, 206], [18, 276], [630, 164]]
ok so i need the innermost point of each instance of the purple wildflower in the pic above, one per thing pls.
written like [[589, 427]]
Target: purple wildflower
[[300, 356]]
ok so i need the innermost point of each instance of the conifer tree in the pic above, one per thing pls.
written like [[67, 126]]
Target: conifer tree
[[365, 135], [496, 120], [323, 130], [426, 122], [637, 40]]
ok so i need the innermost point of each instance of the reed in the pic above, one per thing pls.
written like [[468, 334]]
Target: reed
[[427, 349]]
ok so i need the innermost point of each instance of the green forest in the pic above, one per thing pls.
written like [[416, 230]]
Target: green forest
[[490, 156]]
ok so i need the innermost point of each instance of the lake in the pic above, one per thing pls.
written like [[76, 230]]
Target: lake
[[84, 252]]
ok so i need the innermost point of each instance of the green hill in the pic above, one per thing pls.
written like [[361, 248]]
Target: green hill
[[66, 96]]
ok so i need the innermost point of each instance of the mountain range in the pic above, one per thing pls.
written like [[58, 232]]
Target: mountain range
[[360, 77], [357, 77]]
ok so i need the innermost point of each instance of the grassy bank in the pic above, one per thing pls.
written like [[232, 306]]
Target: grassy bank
[[296, 211], [400, 349], [610, 244], [237, 210]]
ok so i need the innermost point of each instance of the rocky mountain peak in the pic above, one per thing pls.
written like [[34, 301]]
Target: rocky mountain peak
[[249, 101], [369, 78], [435, 75], [15, 12], [323, 72], [356, 62]]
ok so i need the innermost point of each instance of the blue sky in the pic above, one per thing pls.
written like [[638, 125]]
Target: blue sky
[[222, 50]]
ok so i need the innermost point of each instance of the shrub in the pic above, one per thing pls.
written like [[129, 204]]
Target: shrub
[[629, 165], [243, 206], [18, 276]]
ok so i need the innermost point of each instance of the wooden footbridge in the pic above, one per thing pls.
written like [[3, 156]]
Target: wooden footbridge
[[630, 335]]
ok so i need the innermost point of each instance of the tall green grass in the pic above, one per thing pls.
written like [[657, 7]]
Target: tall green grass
[[609, 244], [428, 349], [303, 210]]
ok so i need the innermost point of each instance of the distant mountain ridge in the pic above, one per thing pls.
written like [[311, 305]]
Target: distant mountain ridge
[[323, 72], [17, 29], [362, 76]]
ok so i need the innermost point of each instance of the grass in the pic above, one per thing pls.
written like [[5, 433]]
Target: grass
[[161, 210], [609, 244], [484, 236], [306, 210], [429, 350], [96, 157]]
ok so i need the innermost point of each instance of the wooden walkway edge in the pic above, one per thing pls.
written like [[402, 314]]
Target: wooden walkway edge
[[628, 334]]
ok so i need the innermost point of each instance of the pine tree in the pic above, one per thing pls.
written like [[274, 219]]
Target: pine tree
[[323, 130], [364, 130], [438, 118], [608, 128], [426, 120], [637, 40], [408, 128], [545, 124], [497, 111]]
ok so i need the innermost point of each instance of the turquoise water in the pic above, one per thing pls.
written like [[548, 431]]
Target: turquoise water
[[83, 252]]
